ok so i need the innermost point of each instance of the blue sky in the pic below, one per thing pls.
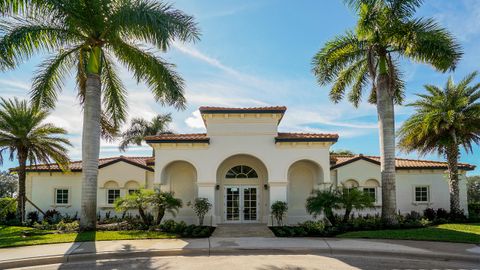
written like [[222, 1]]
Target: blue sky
[[258, 52]]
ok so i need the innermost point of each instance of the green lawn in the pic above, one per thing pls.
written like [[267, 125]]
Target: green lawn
[[461, 233], [11, 236]]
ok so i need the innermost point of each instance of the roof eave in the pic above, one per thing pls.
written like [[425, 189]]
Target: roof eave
[[334, 140]]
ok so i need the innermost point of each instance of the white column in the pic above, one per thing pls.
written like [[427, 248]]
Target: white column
[[207, 190], [278, 192]]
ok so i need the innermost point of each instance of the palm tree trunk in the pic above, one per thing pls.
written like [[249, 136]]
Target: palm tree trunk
[[90, 151], [386, 124], [160, 215], [22, 160], [452, 160]]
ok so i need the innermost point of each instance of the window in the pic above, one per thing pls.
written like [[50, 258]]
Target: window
[[132, 191], [372, 192], [112, 195], [421, 194], [241, 171], [61, 196]]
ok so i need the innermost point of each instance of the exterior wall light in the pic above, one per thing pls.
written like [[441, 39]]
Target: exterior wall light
[[265, 186], [217, 187]]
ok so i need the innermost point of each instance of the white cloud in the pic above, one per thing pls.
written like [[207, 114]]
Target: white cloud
[[195, 121]]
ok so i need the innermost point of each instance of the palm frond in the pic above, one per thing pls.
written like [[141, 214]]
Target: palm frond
[[114, 93], [424, 41], [166, 85], [336, 55], [153, 22], [48, 82]]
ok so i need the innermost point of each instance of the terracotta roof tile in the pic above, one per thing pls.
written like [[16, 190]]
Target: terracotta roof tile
[[76, 166], [400, 163], [178, 138], [299, 137], [272, 109]]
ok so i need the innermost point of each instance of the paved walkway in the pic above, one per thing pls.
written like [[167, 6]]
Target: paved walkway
[[74, 252]]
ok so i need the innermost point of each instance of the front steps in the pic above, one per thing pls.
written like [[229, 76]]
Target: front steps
[[242, 230]]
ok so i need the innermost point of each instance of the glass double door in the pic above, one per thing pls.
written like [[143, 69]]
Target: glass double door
[[241, 204]]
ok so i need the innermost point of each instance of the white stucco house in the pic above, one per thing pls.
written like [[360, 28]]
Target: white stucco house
[[242, 164]]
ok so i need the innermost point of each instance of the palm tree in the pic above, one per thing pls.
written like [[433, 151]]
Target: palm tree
[[324, 201], [90, 37], [445, 119], [137, 200], [369, 58], [139, 128], [25, 136], [164, 201]]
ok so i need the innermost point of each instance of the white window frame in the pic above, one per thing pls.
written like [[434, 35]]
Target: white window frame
[[107, 197], [55, 203], [415, 194]]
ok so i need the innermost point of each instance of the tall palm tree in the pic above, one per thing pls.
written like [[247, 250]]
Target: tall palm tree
[[139, 128], [24, 135], [368, 57], [445, 119], [90, 37]]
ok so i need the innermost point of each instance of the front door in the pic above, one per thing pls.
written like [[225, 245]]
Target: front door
[[241, 204]]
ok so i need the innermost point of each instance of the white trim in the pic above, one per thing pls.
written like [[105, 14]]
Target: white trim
[[241, 203], [428, 201], [69, 197]]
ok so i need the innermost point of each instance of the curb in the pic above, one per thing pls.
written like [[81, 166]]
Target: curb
[[56, 259]]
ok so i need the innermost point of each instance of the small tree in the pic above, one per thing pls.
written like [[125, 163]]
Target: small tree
[[164, 201], [200, 206], [354, 199], [473, 189], [138, 200], [8, 184], [279, 209], [323, 201]]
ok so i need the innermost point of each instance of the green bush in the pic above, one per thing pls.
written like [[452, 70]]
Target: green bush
[[181, 228], [279, 209], [68, 226], [313, 228], [8, 210]]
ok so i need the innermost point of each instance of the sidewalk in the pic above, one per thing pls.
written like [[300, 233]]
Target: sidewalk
[[71, 252]]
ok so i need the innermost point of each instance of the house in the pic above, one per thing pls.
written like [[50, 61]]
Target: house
[[242, 164]]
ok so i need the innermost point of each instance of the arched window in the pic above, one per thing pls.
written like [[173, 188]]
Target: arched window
[[241, 171]]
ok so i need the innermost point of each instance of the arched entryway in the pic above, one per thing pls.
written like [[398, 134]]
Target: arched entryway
[[303, 177], [241, 191], [180, 177]]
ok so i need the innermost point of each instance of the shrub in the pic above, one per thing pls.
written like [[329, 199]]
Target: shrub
[[279, 209], [442, 214], [68, 226], [8, 210], [200, 206], [44, 225], [52, 216], [413, 216], [430, 214], [313, 228], [32, 217], [173, 227]]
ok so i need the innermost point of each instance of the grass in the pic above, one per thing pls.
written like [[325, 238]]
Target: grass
[[12, 236], [460, 233]]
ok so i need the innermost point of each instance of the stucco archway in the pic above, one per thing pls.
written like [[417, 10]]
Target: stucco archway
[[303, 177], [180, 177], [246, 177]]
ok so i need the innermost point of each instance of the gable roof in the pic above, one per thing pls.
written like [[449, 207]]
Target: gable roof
[[76, 166], [306, 137], [178, 138], [337, 161]]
